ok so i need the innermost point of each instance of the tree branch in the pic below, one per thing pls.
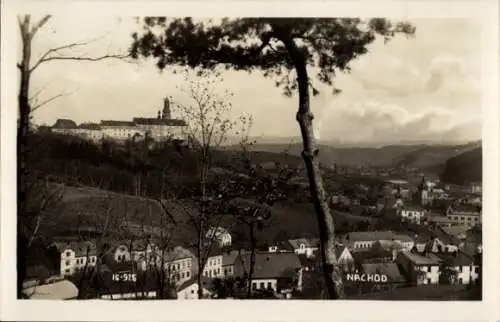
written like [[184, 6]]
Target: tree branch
[[39, 25], [45, 57], [37, 106]]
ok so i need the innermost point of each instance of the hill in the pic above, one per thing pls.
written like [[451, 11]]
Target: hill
[[419, 156], [91, 211], [464, 168]]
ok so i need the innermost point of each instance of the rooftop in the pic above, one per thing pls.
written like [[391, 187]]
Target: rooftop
[[156, 121], [430, 259], [89, 126], [466, 208], [64, 124], [117, 123], [375, 235], [456, 259], [307, 242], [391, 270], [81, 248], [273, 265]]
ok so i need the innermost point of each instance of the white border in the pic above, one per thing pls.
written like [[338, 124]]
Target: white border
[[11, 309]]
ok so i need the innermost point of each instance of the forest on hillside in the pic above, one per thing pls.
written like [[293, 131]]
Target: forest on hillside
[[464, 168]]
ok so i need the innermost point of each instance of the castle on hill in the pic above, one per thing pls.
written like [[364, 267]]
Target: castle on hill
[[159, 128]]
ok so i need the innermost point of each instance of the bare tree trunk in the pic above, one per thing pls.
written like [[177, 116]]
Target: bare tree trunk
[[200, 263], [22, 171], [304, 117], [252, 258]]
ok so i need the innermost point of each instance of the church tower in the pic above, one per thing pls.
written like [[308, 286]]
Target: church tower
[[423, 192], [167, 114]]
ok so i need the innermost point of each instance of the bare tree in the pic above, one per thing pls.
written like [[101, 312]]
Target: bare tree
[[27, 104], [207, 117]]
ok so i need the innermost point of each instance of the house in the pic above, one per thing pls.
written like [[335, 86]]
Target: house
[[362, 240], [476, 187], [220, 235], [278, 246], [305, 246], [189, 289], [401, 241], [464, 266], [421, 242], [121, 252], [213, 266], [438, 220], [57, 290], [437, 245], [280, 272], [228, 262], [75, 256], [464, 214], [345, 258], [180, 263], [419, 269], [377, 254], [147, 253], [412, 214]]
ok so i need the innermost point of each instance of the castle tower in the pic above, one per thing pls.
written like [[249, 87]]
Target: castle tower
[[167, 114]]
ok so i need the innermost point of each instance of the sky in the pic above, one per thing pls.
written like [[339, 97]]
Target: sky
[[424, 88]]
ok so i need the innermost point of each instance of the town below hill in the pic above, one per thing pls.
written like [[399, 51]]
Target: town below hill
[[125, 213]]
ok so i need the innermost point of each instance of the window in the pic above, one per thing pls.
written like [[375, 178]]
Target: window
[[182, 275], [192, 291], [254, 285], [429, 281], [476, 269], [269, 285], [68, 254], [460, 269], [187, 274], [68, 263], [66, 270], [261, 285]]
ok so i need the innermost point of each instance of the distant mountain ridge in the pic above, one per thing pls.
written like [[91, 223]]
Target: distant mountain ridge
[[418, 155]]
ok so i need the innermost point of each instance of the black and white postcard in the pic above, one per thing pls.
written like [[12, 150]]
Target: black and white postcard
[[263, 161]]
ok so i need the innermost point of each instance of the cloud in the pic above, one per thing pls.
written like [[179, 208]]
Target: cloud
[[426, 87]]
